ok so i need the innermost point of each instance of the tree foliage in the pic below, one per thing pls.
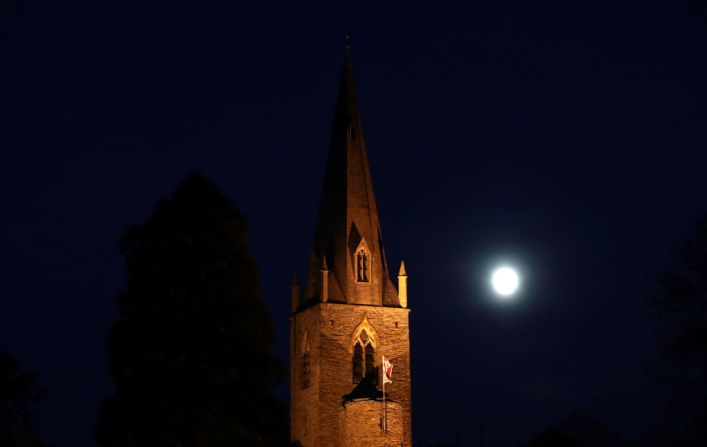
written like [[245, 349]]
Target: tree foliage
[[679, 310], [190, 353], [19, 392], [552, 437]]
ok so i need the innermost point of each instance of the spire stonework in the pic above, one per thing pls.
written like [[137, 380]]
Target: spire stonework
[[351, 313], [348, 219]]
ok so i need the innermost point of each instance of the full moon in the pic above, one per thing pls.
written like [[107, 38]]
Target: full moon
[[505, 281]]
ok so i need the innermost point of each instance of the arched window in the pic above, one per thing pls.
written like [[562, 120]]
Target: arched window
[[357, 363], [362, 266], [369, 359], [363, 357]]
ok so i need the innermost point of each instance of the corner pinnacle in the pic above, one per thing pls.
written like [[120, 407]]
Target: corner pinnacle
[[402, 271]]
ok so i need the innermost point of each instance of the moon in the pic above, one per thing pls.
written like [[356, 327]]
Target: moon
[[505, 281]]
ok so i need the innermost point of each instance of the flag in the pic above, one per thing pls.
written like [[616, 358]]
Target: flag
[[387, 371]]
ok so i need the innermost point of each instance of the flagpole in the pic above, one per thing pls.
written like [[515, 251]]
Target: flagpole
[[385, 403]]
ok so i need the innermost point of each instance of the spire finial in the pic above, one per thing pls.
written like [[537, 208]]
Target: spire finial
[[347, 48]]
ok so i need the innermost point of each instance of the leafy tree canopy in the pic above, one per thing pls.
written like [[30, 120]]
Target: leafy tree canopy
[[679, 309], [19, 391], [552, 437], [190, 353]]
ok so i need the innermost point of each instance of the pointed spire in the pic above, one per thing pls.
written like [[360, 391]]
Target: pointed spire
[[323, 267], [402, 271], [348, 227]]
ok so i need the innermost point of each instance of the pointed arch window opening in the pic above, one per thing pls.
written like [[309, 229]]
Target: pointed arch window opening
[[362, 266], [357, 363], [352, 133], [363, 357]]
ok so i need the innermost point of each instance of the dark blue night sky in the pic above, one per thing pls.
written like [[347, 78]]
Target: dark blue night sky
[[568, 137]]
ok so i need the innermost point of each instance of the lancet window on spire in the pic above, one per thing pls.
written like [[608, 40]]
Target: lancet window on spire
[[363, 357], [362, 266]]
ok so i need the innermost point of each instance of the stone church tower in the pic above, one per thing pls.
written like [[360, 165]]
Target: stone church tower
[[350, 314]]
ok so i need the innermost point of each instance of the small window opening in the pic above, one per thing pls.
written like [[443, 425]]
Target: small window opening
[[369, 359], [362, 266], [357, 363], [363, 357]]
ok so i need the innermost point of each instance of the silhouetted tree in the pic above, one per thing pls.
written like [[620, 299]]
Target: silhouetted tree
[[552, 437], [577, 428], [679, 308], [190, 353], [19, 391]]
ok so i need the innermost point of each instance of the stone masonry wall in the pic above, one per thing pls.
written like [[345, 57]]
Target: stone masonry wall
[[304, 401], [316, 409], [338, 322], [360, 423]]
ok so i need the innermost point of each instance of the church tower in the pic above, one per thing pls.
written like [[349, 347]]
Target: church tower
[[350, 315]]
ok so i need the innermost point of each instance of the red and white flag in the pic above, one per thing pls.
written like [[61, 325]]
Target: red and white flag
[[387, 371]]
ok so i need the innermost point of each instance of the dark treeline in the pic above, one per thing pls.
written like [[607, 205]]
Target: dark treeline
[[677, 308], [19, 393], [191, 355], [191, 352], [679, 311]]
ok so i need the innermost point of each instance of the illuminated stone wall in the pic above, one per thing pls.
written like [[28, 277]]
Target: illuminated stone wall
[[360, 422], [316, 410]]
